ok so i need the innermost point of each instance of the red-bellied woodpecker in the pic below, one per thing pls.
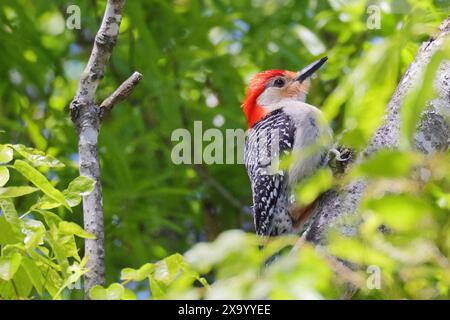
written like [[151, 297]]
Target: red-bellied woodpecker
[[282, 124]]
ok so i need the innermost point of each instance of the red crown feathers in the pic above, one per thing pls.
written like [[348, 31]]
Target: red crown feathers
[[257, 84]]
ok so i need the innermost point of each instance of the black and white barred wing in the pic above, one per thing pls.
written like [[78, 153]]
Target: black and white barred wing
[[267, 140]]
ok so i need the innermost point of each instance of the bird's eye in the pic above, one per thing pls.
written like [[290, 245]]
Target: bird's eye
[[278, 83]]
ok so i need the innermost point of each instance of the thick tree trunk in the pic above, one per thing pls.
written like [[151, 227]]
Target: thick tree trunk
[[433, 134]]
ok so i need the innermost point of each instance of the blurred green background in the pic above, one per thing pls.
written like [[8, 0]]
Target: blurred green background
[[196, 58]]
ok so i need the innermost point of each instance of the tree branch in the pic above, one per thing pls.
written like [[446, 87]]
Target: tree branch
[[121, 93], [433, 134], [86, 116]]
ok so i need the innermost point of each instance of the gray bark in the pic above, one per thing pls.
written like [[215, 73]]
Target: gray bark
[[433, 134], [86, 116], [121, 93]]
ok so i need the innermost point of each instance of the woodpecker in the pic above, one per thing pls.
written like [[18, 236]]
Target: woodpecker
[[281, 124]]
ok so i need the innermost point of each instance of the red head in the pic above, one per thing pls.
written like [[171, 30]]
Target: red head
[[268, 88]]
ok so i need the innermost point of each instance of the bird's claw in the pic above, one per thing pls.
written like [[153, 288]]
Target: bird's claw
[[338, 155]]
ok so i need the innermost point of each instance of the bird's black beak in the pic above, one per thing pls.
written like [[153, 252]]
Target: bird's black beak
[[307, 71]]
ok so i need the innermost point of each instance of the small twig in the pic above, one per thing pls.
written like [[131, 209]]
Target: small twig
[[121, 93], [298, 244]]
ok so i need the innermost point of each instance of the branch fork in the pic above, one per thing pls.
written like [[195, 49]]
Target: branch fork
[[87, 116]]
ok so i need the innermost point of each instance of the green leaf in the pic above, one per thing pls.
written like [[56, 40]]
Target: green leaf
[[37, 157], [73, 228], [61, 256], [34, 274], [370, 83], [19, 287], [386, 163], [72, 198], [76, 271], [53, 282], [114, 292], [157, 288], [22, 282], [4, 175], [400, 212], [81, 185], [9, 266], [9, 211], [68, 244], [129, 274], [78, 187], [9, 234], [47, 203], [40, 181], [355, 251], [128, 295], [312, 187], [6, 154], [13, 192], [34, 231], [13, 224], [167, 269], [51, 219]]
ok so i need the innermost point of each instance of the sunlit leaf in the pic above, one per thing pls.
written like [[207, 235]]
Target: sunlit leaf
[[386, 163], [40, 181], [128, 295], [4, 175], [358, 252], [9, 266], [137, 274], [9, 233], [51, 219], [157, 289], [6, 154], [73, 228], [400, 212], [366, 92], [81, 185], [69, 246], [34, 232], [12, 192], [9, 211], [311, 188], [167, 269], [78, 187], [37, 157], [34, 274], [114, 292]]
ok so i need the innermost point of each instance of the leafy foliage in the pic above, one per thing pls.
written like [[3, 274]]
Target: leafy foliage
[[39, 254], [196, 57]]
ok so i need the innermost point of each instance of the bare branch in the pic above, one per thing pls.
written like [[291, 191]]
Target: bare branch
[[105, 41], [121, 93], [86, 118]]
